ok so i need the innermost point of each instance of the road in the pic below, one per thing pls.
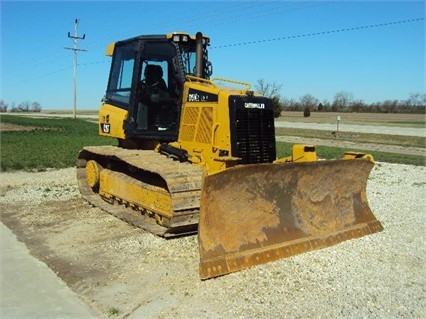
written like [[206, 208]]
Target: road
[[391, 130], [30, 289]]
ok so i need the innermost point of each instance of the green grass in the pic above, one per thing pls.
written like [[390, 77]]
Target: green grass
[[400, 140], [54, 143], [325, 152], [113, 311], [409, 124]]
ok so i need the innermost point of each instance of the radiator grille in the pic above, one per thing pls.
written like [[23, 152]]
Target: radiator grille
[[254, 132], [189, 121], [196, 124], [204, 132]]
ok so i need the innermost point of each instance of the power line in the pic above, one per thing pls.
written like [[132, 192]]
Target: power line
[[244, 12], [26, 80], [96, 62], [245, 43], [317, 33], [75, 48], [36, 77]]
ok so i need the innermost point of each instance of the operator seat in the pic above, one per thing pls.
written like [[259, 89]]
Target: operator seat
[[154, 76], [150, 106]]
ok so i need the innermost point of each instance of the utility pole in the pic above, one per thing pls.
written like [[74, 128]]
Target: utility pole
[[75, 48]]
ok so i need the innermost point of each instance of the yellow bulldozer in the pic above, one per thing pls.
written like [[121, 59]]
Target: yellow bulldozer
[[198, 154]]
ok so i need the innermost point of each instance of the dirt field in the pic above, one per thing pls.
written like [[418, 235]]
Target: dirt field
[[4, 127]]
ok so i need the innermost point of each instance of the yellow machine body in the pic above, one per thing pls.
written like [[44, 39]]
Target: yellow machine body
[[198, 155]]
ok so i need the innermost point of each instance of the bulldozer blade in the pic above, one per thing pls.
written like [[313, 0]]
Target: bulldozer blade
[[254, 214]]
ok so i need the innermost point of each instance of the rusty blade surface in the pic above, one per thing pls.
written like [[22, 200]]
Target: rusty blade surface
[[254, 214]]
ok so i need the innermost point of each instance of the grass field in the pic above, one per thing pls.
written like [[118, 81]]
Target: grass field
[[46, 143], [42, 143], [412, 141]]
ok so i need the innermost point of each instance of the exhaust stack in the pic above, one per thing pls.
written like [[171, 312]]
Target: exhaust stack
[[199, 55]]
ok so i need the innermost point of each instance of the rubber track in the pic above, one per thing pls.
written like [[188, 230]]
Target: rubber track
[[183, 183]]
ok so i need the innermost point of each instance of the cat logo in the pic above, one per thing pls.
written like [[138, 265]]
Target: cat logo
[[106, 128], [254, 105]]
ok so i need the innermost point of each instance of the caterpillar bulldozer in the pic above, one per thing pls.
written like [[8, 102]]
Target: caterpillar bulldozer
[[198, 154]]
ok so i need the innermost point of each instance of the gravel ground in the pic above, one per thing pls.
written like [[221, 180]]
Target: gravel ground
[[112, 265]]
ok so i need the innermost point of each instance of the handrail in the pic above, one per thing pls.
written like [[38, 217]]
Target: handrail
[[192, 78], [247, 85]]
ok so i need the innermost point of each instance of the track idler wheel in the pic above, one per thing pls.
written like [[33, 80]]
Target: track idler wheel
[[93, 170]]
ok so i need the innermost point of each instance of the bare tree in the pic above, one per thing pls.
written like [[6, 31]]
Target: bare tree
[[272, 91], [324, 106], [290, 104], [390, 106], [358, 106], [342, 100], [36, 107], [417, 100], [3, 106], [24, 106], [268, 89], [13, 107], [308, 101]]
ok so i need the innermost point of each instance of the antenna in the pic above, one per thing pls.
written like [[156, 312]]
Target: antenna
[[75, 48]]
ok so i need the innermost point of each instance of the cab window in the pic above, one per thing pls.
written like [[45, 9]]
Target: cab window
[[120, 81]]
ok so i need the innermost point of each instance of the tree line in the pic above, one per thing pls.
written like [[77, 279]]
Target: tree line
[[21, 107], [343, 102]]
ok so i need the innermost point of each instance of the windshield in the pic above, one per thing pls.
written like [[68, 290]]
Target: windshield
[[120, 80]]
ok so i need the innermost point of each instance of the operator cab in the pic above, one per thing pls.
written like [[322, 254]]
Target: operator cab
[[146, 79]]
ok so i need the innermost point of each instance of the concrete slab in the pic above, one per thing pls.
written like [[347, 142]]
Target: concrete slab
[[30, 289]]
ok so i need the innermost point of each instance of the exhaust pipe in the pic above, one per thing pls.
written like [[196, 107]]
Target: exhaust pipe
[[199, 55]]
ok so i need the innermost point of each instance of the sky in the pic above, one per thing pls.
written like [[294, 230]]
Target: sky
[[372, 49]]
